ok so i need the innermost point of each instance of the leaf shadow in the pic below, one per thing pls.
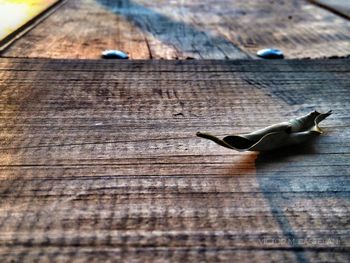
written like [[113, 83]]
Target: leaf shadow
[[277, 186]]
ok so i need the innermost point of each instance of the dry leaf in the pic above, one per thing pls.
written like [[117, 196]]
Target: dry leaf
[[295, 131]]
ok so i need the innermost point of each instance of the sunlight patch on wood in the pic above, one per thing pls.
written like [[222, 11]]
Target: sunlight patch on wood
[[16, 13]]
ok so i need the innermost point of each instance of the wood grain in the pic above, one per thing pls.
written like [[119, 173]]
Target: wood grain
[[99, 162], [80, 29], [339, 7], [166, 29]]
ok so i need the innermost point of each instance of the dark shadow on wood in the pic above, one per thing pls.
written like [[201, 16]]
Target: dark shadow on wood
[[271, 184], [172, 32]]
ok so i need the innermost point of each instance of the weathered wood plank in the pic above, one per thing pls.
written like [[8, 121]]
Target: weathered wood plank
[[99, 161], [195, 29], [80, 29]]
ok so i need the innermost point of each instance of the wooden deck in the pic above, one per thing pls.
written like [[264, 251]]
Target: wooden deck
[[164, 29], [99, 162], [99, 159]]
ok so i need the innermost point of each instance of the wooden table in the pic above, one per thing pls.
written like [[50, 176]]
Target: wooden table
[[100, 162], [177, 29]]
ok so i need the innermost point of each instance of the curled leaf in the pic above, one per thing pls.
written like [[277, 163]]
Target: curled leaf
[[294, 131]]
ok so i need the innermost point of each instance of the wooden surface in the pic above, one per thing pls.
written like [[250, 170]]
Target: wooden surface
[[340, 7], [164, 29], [99, 162], [19, 17]]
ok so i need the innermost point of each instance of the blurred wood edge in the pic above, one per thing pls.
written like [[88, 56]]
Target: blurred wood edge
[[22, 30], [341, 8]]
